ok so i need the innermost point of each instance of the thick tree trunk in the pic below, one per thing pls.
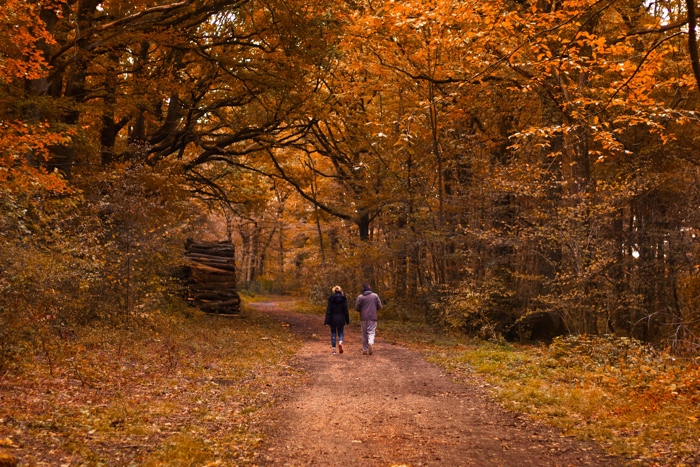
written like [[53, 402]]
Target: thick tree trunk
[[137, 133], [110, 128], [693, 41], [363, 223]]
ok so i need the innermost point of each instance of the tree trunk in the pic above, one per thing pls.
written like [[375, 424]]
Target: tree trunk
[[363, 223]]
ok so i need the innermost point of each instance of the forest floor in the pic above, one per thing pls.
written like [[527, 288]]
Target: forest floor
[[394, 408], [262, 388], [164, 392]]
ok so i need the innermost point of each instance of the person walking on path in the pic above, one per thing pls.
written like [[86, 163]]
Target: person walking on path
[[367, 304], [337, 316]]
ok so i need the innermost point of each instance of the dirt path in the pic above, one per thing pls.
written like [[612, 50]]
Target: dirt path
[[394, 408]]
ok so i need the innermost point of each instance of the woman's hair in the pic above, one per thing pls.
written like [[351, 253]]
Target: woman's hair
[[336, 289]]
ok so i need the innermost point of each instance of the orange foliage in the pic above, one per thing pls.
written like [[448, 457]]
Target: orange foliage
[[21, 32], [24, 144]]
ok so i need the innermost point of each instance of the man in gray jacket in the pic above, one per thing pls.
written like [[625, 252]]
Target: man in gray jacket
[[367, 304]]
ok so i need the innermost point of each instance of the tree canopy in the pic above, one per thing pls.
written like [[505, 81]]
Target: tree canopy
[[477, 161]]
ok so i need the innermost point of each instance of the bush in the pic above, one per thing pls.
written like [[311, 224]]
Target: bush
[[481, 308], [100, 255]]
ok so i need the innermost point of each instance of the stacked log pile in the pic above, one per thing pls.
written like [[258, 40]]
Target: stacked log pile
[[211, 277]]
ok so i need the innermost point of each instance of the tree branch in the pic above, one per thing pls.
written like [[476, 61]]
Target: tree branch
[[639, 67], [303, 194]]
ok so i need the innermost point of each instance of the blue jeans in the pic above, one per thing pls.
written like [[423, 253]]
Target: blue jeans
[[339, 329]]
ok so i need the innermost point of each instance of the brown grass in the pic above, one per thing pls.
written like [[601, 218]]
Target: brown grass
[[189, 392], [636, 402], [193, 391]]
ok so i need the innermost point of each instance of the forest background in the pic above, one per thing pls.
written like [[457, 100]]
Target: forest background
[[477, 162]]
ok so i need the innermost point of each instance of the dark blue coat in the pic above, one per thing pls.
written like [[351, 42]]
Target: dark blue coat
[[337, 310]]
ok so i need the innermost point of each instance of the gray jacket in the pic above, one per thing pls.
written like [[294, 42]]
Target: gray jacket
[[367, 304]]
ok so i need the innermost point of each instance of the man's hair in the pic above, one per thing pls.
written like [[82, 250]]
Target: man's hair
[[365, 286]]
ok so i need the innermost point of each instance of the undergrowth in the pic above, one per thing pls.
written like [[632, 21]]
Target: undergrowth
[[182, 392]]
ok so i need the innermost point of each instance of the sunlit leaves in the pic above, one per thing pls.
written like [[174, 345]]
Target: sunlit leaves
[[21, 33]]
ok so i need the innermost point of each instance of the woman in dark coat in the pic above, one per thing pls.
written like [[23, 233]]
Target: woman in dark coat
[[337, 316]]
